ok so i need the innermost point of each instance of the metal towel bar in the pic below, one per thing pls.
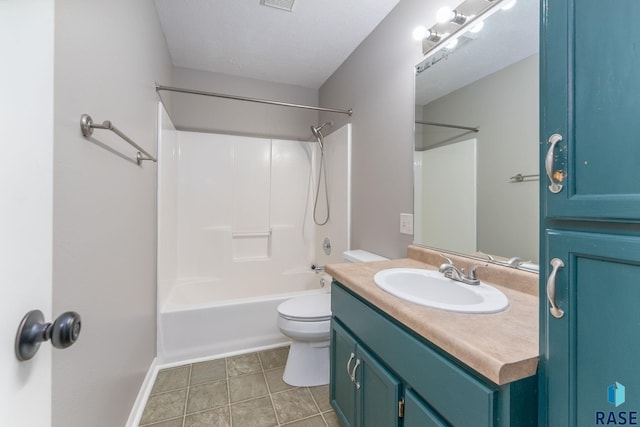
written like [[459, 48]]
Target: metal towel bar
[[522, 178], [87, 126]]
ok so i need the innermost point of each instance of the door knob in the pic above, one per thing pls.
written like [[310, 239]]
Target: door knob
[[63, 332]]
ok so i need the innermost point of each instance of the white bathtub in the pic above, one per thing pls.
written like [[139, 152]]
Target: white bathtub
[[212, 317]]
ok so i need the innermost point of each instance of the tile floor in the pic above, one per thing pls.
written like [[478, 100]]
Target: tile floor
[[239, 391]]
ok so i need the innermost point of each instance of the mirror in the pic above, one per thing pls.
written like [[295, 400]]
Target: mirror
[[476, 193]]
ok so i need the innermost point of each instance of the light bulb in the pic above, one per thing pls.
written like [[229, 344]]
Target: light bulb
[[444, 14], [419, 33], [508, 4], [477, 27], [452, 44]]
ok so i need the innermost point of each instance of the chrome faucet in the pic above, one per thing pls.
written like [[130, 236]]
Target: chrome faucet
[[452, 272], [317, 268]]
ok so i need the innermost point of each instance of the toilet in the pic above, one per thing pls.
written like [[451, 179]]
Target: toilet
[[306, 320]]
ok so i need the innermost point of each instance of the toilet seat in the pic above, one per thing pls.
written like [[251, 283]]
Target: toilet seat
[[307, 308]]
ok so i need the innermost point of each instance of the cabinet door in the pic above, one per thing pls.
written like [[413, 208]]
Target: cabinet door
[[418, 414], [590, 354], [342, 389], [377, 393], [589, 95]]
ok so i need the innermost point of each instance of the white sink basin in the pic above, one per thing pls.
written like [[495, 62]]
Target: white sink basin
[[430, 288]]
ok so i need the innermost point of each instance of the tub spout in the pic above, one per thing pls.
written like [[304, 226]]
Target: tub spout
[[317, 268]]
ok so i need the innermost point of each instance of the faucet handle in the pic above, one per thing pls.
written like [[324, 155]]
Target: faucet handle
[[472, 272], [448, 259]]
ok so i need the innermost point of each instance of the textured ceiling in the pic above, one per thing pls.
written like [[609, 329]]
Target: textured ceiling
[[244, 38]]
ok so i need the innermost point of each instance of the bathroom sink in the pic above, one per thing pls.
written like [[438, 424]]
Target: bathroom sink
[[430, 288]]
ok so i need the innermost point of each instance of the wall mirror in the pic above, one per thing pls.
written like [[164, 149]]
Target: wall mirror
[[476, 192]]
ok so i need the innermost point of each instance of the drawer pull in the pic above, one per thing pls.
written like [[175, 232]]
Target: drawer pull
[[555, 187], [349, 366], [556, 311], [353, 374]]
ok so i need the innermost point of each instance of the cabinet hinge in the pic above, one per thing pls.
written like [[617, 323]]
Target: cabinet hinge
[[401, 408]]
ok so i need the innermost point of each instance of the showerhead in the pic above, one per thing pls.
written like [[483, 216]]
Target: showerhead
[[317, 132]]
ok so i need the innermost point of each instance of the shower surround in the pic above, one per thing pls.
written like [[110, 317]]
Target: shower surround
[[236, 235]]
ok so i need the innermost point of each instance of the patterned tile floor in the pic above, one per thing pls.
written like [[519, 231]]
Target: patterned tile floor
[[239, 391]]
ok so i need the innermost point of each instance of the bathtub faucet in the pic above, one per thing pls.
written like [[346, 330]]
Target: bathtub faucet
[[317, 268]]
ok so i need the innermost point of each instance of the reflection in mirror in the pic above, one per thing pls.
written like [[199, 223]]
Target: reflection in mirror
[[465, 198]]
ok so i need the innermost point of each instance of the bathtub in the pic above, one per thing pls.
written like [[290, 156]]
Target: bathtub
[[212, 317]]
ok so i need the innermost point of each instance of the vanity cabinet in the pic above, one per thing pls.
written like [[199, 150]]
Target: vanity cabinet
[[589, 97], [366, 393], [590, 231], [383, 374]]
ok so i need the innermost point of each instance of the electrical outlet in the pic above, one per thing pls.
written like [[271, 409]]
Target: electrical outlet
[[406, 223]]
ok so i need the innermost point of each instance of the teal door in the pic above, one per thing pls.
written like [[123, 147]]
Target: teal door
[[341, 389], [590, 96], [592, 348], [377, 394], [418, 414]]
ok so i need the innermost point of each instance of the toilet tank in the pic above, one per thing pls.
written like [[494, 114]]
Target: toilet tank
[[359, 255]]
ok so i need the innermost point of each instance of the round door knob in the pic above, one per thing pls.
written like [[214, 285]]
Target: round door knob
[[63, 332], [65, 329]]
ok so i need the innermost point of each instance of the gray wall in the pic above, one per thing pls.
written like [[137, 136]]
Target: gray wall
[[107, 57], [505, 106], [207, 114], [377, 82]]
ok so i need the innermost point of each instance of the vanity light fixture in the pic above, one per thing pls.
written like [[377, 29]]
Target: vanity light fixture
[[475, 29], [508, 4], [451, 44], [447, 15], [432, 41], [419, 33]]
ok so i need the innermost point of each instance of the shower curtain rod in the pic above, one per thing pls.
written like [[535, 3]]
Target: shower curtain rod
[[244, 98], [445, 125]]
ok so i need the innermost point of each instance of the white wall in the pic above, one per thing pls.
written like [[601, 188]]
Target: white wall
[[202, 113], [168, 152], [107, 57]]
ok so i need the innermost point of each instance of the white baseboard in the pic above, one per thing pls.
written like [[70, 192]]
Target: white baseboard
[[145, 390]]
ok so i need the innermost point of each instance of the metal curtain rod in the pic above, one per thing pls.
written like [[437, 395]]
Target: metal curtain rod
[[244, 98], [445, 125], [87, 126]]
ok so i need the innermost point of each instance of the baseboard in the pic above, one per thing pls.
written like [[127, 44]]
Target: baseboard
[[187, 361], [145, 390]]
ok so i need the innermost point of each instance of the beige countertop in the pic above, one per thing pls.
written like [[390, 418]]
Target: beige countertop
[[503, 346]]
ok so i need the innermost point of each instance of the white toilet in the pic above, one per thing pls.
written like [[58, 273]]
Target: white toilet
[[307, 321]]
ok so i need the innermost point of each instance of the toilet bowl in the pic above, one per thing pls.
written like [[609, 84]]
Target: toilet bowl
[[307, 321]]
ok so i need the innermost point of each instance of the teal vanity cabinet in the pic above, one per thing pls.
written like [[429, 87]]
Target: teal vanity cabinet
[[366, 393], [590, 213], [383, 374]]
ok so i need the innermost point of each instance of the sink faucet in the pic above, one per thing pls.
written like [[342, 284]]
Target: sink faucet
[[452, 272]]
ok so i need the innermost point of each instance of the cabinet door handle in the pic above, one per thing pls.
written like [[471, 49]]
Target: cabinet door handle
[[556, 311], [555, 186], [349, 366], [353, 374]]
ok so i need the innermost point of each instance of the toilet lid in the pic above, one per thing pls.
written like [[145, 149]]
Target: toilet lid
[[315, 307]]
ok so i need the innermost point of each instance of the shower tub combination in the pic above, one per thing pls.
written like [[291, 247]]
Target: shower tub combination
[[201, 319], [236, 235]]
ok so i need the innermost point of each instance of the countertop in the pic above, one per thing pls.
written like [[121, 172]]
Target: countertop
[[502, 347]]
